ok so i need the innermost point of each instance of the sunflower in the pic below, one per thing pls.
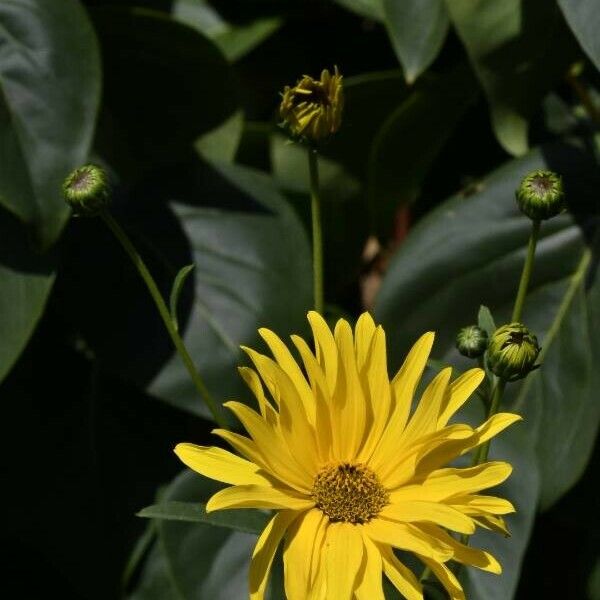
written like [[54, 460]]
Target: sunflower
[[351, 471]]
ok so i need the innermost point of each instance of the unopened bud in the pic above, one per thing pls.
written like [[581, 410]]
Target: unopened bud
[[86, 190], [472, 341], [312, 109], [540, 195], [512, 352]]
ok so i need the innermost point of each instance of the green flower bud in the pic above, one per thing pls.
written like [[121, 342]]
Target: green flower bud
[[540, 195], [472, 341], [86, 190], [512, 352]]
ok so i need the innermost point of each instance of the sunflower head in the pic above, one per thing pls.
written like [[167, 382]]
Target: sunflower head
[[512, 352], [353, 467], [312, 109], [86, 190], [540, 195]]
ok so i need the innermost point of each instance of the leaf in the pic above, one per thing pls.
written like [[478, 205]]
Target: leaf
[[26, 280], [371, 9], [202, 562], [561, 396], [417, 29], [410, 139], [471, 250], [583, 18], [519, 50], [485, 320], [49, 96], [253, 269], [246, 521], [221, 144], [178, 284], [151, 56], [235, 41]]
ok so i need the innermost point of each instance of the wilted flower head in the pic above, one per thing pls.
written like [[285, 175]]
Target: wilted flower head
[[351, 470], [312, 109]]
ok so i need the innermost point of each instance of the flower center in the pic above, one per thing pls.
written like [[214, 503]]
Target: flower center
[[349, 492]]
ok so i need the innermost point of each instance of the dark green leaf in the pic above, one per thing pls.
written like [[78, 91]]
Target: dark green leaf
[[25, 283], [471, 250], [253, 269], [178, 284], [410, 139], [584, 19], [246, 521], [485, 320], [371, 9], [520, 50], [49, 95], [417, 29]]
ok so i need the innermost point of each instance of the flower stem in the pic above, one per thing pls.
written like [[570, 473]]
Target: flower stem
[[317, 232], [139, 264], [526, 273]]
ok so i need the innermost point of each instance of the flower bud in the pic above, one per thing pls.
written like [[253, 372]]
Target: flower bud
[[512, 352], [86, 190], [312, 109], [472, 341], [540, 195]]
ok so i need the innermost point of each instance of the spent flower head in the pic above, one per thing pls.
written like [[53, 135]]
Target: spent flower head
[[351, 471], [312, 109]]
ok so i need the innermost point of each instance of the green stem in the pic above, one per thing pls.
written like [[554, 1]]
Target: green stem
[[139, 264], [317, 232], [526, 273]]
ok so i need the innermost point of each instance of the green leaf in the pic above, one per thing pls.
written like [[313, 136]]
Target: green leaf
[[417, 29], [500, 35], [253, 269], [410, 139], [149, 55], [221, 144], [371, 9], [198, 561], [246, 521], [561, 396], [178, 284], [583, 18], [485, 320], [25, 283], [471, 250], [235, 41], [49, 96]]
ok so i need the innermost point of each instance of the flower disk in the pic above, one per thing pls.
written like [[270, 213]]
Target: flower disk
[[350, 493], [354, 468], [312, 109]]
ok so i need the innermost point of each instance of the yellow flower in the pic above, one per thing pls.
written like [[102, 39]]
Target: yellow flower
[[313, 107], [350, 472]]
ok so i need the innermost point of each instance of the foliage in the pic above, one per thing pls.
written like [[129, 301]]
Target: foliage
[[448, 104]]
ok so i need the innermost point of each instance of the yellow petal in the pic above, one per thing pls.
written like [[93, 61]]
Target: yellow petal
[[264, 551], [445, 483], [407, 537], [290, 367], [492, 523], [363, 333], [370, 586], [401, 576], [446, 577], [257, 496], [432, 512], [302, 551], [403, 388], [221, 465], [460, 390], [250, 376], [472, 504], [493, 426], [380, 396], [325, 347], [464, 554], [271, 445], [343, 552], [348, 427]]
